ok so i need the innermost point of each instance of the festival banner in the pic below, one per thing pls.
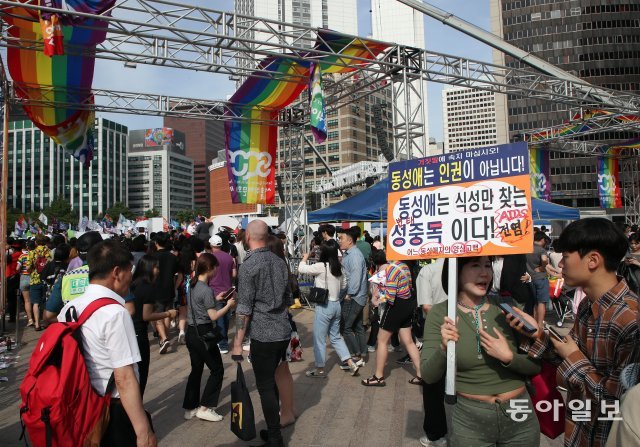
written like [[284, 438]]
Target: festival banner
[[609, 181], [540, 173], [46, 78], [251, 146], [317, 106], [467, 203]]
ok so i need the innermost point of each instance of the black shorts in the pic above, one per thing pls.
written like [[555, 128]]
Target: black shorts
[[399, 315], [161, 306]]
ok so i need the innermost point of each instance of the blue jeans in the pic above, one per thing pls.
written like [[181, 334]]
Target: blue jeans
[[223, 324], [353, 329], [327, 322]]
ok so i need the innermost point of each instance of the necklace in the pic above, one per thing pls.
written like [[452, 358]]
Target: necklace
[[476, 313]]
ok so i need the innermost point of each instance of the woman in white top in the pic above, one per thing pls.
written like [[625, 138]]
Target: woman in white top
[[328, 275]]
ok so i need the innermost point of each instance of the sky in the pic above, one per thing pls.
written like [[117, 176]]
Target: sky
[[185, 83]]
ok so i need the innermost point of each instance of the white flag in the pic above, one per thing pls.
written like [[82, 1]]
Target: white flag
[[42, 218]]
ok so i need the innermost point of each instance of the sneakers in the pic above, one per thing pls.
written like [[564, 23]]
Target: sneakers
[[442, 442], [344, 366], [182, 339], [317, 373], [360, 363], [208, 414], [354, 368], [371, 349], [223, 349], [164, 345], [189, 414], [391, 348], [406, 360], [419, 345], [30, 323]]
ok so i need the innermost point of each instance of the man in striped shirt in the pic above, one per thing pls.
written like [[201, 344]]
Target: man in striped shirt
[[605, 334]]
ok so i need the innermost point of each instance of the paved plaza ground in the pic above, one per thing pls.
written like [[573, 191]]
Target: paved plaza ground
[[336, 411]]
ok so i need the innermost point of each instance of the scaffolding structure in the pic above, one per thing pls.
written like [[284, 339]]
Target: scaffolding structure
[[171, 34]]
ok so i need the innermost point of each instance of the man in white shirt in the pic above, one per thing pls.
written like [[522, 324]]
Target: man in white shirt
[[430, 292], [110, 345]]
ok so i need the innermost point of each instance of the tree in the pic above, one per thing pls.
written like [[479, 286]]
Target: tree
[[151, 213], [120, 208], [187, 215]]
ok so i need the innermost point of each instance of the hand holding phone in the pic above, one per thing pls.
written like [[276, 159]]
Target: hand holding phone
[[526, 326], [229, 293], [553, 333]]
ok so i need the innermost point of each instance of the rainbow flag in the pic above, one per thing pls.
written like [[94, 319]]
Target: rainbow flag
[[53, 78], [609, 180], [540, 173], [251, 146]]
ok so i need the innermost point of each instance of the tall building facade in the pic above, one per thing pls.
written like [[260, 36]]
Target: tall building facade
[[392, 21], [595, 40], [160, 175], [40, 170], [203, 140], [469, 117]]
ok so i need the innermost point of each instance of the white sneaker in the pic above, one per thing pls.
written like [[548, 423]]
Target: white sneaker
[[208, 414], [189, 414], [442, 442], [182, 339], [360, 363], [419, 345], [371, 349]]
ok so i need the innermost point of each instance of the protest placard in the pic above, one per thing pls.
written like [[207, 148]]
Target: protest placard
[[468, 203]]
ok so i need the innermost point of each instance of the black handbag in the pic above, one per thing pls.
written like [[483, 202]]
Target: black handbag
[[318, 295], [243, 423], [212, 335]]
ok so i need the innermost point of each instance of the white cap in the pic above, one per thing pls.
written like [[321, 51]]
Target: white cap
[[215, 241]]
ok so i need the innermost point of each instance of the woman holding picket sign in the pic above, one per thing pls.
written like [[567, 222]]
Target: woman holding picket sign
[[491, 373]]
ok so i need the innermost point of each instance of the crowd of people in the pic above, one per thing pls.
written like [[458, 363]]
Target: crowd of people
[[201, 284]]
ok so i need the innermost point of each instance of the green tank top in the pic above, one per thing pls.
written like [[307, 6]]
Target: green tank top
[[74, 283]]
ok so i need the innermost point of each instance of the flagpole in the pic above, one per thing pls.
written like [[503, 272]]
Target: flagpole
[[3, 206]]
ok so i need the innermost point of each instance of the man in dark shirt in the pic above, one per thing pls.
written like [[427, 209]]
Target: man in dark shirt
[[263, 299], [166, 285]]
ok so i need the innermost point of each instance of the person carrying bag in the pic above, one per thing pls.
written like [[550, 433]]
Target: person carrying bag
[[201, 340]]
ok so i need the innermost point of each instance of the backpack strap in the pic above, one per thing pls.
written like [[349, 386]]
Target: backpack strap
[[95, 305]]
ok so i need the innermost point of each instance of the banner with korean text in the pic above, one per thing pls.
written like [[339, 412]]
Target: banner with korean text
[[468, 203]]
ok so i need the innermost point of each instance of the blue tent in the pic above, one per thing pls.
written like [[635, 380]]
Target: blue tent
[[371, 205]]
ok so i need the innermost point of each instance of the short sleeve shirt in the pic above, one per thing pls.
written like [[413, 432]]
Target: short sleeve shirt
[[108, 337], [168, 264], [200, 301], [39, 251]]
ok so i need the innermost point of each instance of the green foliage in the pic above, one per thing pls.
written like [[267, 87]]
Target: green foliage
[[187, 215], [151, 213], [120, 208]]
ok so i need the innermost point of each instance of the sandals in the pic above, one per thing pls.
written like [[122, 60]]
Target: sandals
[[416, 381], [374, 381]]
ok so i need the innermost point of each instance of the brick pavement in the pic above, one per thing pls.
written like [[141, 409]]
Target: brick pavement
[[336, 411]]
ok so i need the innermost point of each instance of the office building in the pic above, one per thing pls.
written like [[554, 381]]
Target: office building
[[469, 118], [203, 140], [597, 41], [160, 175], [40, 170]]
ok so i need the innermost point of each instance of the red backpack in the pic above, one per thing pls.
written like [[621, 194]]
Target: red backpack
[[59, 405]]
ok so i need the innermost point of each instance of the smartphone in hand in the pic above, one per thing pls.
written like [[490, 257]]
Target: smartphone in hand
[[508, 309], [553, 333], [229, 293]]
